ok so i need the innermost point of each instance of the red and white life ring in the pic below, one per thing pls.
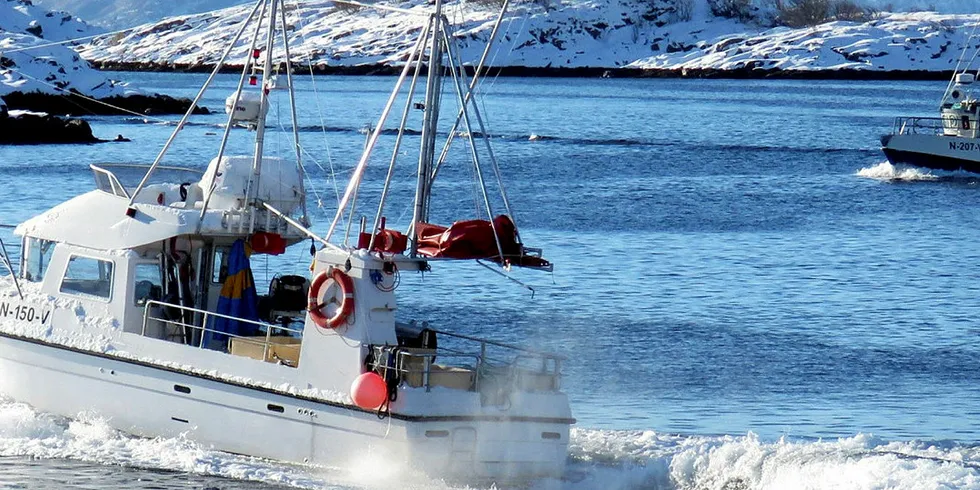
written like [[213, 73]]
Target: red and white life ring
[[346, 307]]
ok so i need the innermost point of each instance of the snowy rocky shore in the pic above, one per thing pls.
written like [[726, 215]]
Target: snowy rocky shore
[[38, 75], [26, 128], [573, 38]]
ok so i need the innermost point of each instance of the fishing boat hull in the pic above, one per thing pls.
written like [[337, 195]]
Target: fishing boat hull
[[933, 151], [149, 400]]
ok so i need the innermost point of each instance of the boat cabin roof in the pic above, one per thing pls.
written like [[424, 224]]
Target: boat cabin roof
[[98, 220]]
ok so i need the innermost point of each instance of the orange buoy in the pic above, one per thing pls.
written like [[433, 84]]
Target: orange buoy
[[369, 391]]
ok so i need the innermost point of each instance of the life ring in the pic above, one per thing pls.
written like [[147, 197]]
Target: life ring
[[346, 306]]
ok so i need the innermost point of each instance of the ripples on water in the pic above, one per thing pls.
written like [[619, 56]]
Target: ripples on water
[[733, 257]]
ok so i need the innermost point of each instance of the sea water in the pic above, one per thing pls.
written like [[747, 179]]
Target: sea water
[[748, 295]]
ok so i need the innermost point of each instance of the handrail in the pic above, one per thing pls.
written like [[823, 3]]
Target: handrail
[[146, 166], [115, 187], [931, 125], [513, 372], [205, 314], [547, 355], [516, 366]]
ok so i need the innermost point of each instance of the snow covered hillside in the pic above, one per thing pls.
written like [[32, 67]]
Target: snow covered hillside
[[895, 42], [24, 18], [120, 14], [23, 26], [941, 6], [573, 34]]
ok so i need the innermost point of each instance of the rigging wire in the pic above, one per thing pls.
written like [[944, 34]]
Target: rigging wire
[[959, 62], [316, 99], [323, 131], [62, 92], [481, 86], [513, 46]]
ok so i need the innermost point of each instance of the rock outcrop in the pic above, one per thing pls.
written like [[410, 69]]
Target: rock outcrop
[[34, 129]]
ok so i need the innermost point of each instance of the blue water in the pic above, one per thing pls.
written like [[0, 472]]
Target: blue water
[[729, 276]]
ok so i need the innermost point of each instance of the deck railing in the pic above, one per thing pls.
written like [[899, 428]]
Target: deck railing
[[199, 326], [474, 364], [932, 125], [918, 125], [106, 181], [106, 178]]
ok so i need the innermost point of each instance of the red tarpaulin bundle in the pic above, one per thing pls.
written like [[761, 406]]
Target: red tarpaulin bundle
[[473, 239]]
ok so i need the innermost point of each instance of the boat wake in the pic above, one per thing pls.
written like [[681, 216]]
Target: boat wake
[[614, 459], [885, 171], [599, 459], [888, 172], [25, 432]]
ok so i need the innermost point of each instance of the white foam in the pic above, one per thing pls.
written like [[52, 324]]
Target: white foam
[[26, 432], [599, 459], [621, 460], [887, 171]]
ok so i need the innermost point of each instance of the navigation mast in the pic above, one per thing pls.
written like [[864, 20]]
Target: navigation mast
[[430, 120]]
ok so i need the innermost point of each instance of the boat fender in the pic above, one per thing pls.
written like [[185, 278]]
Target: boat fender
[[369, 391], [346, 307]]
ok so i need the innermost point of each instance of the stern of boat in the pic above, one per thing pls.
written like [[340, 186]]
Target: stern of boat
[[490, 450], [476, 408]]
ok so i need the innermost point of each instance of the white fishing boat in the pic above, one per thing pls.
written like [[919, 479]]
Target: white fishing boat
[[950, 141], [136, 302]]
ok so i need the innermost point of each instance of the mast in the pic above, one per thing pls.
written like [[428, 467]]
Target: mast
[[253, 183], [429, 123], [190, 110]]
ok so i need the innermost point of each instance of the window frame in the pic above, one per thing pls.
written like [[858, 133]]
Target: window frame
[[219, 265], [78, 294], [136, 266], [25, 258]]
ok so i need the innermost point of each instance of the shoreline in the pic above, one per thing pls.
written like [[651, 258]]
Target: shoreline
[[72, 104], [580, 72]]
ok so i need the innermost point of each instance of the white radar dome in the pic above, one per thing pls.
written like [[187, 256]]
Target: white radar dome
[[249, 107]]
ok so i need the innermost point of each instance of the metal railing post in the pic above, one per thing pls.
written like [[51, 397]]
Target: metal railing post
[[204, 329], [146, 315], [268, 338]]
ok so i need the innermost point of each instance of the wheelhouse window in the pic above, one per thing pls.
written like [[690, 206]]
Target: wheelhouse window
[[219, 271], [36, 258], [88, 277], [149, 283]]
